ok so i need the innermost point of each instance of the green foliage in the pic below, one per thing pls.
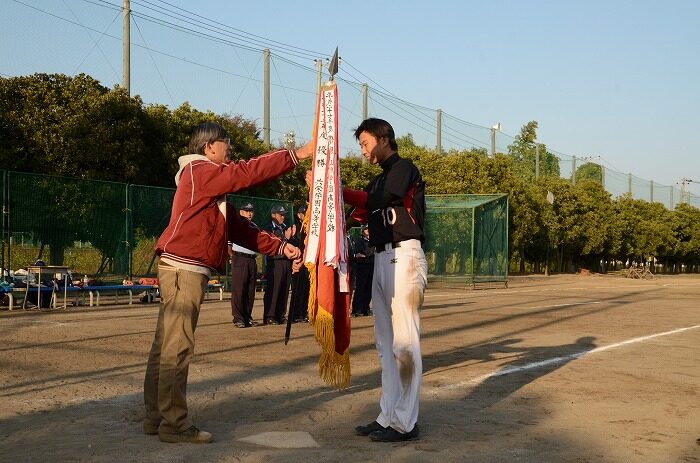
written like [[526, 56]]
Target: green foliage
[[590, 171], [524, 152], [75, 127]]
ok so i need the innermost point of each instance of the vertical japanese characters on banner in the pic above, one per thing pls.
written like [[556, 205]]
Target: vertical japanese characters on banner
[[326, 255], [327, 215]]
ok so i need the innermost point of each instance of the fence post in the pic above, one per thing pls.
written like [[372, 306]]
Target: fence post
[[8, 191], [629, 184], [439, 131], [365, 91], [128, 233], [670, 204], [319, 74], [4, 214]]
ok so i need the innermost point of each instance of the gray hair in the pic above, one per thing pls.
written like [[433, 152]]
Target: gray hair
[[206, 132]]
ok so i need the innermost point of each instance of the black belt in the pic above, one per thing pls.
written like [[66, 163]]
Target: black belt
[[382, 248], [244, 254]]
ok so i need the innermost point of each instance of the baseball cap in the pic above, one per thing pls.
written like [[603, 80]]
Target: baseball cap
[[278, 209], [302, 208], [247, 207]]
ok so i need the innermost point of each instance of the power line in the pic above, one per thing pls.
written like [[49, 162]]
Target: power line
[[97, 42], [169, 55], [167, 15], [390, 97], [245, 85], [289, 103], [260, 39], [154, 63], [402, 117]]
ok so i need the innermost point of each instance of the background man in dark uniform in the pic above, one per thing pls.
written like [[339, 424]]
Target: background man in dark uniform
[[363, 255], [300, 280], [278, 272], [244, 271]]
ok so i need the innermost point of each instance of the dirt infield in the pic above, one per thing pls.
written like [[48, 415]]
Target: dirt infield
[[564, 369]]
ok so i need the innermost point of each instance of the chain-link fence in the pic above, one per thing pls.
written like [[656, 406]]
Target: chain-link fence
[[102, 229], [109, 230]]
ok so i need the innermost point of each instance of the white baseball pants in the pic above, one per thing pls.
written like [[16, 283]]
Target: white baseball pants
[[400, 278]]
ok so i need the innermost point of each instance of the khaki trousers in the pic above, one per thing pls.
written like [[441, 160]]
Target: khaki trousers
[[165, 385]]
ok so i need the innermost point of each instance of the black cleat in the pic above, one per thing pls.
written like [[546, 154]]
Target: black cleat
[[392, 435], [368, 429]]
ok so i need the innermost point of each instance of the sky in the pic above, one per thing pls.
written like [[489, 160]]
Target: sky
[[614, 82]]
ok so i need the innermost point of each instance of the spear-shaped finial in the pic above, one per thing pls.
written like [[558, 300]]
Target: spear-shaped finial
[[333, 66]]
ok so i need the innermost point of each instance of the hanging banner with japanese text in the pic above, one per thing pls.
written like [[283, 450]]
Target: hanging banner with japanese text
[[325, 254]]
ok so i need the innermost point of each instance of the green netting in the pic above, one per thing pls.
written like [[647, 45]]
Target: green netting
[[149, 215], [355, 233], [5, 237], [66, 221], [109, 230], [466, 237], [103, 229]]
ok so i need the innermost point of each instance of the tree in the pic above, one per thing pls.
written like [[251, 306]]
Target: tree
[[686, 230], [72, 126], [523, 150], [645, 228], [590, 171]]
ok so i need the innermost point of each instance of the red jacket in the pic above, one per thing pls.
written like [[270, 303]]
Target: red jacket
[[197, 233]]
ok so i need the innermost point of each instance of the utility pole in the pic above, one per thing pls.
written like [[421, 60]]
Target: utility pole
[[537, 161], [494, 128], [573, 171], [266, 96], [365, 90], [439, 131], [629, 184], [670, 204], [319, 74], [126, 46], [684, 182], [651, 191]]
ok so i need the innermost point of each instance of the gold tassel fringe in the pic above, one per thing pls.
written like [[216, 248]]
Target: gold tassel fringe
[[334, 368]]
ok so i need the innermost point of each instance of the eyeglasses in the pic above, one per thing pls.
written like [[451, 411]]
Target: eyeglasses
[[227, 141]]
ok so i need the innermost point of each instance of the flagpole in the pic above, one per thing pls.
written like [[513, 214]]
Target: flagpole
[[290, 315]]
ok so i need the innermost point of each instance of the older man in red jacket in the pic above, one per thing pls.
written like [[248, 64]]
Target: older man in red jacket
[[194, 244]]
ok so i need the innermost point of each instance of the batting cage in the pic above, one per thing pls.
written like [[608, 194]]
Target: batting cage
[[467, 238]]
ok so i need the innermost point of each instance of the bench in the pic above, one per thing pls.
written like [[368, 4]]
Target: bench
[[215, 287], [14, 293], [95, 292]]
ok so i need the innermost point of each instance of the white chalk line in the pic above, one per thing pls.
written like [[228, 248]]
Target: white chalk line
[[554, 360], [440, 292]]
